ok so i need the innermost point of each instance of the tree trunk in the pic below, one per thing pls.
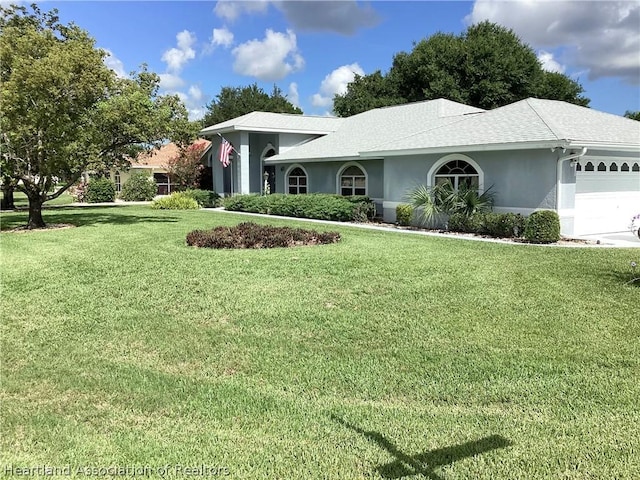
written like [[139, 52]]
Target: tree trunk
[[7, 197], [35, 213]]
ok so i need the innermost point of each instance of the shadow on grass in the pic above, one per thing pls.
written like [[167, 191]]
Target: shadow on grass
[[630, 278], [425, 463], [113, 215]]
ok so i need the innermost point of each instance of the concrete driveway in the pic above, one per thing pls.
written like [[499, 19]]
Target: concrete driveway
[[619, 239]]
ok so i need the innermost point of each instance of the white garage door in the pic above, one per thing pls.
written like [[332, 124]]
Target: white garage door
[[607, 195]]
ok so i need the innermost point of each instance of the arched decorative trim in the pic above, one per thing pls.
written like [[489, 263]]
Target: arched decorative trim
[[635, 168], [449, 158], [266, 150], [625, 167], [291, 169], [602, 167], [341, 171], [588, 167], [613, 167]]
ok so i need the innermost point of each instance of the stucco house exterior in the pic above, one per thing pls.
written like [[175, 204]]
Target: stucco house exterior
[[154, 163], [536, 154]]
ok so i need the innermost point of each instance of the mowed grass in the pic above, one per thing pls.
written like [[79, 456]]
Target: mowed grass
[[20, 200], [383, 356]]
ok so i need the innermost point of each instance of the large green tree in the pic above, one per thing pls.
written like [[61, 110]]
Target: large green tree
[[487, 66], [64, 112], [233, 102]]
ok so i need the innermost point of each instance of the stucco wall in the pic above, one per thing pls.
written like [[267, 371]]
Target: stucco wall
[[522, 180], [323, 177]]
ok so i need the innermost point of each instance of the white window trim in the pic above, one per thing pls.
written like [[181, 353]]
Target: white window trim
[[343, 168], [291, 169], [431, 175]]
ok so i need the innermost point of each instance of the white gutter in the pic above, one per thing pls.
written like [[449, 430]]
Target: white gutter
[[571, 156]]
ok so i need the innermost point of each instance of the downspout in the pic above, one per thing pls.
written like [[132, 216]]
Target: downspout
[[571, 156]]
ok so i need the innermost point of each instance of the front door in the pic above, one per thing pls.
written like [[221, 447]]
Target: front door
[[271, 179]]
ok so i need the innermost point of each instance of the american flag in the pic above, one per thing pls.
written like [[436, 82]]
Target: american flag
[[225, 150]]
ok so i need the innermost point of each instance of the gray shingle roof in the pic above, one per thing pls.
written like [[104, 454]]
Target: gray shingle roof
[[378, 127], [525, 122], [276, 122]]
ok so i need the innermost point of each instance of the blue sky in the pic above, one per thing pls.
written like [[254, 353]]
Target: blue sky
[[311, 49]]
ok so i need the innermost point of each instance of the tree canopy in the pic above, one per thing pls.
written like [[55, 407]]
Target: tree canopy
[[65, 112], [632, 115], [487, 66], [233, 102]]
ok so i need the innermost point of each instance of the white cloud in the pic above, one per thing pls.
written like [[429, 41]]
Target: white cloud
[[335, 83], [221, 37], [231, 9], [549, 63], [272, 58], [176, 58], [114, 63], [600, 37], [169, 81], [194, 100], [293, 96]]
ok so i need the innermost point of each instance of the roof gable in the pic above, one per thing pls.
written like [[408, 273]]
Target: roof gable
[[276, 122], [380, 126]]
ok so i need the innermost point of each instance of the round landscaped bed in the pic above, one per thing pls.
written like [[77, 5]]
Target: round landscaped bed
[[252, 235]]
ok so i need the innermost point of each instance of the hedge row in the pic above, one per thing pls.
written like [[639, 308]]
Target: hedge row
[[540, 227], [251, 235], [315, 205]]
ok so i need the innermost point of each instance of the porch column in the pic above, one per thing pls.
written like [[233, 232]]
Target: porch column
[[243, 174]]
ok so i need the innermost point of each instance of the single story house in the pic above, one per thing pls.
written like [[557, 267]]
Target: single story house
[[536, 154], [154, 163]]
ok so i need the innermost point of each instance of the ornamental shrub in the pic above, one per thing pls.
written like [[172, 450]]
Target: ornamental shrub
[[251, 235], [542, 226], [139, 187], [315, 205], [100, 190], [461, 222], [175, 201], [404, 214], [503, 225], [205, 198]]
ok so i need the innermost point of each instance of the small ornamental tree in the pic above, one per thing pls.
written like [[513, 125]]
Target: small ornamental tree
[[185, 168]]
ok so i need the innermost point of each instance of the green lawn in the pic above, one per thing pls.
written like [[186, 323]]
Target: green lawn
[[383, 356], [21, 201]]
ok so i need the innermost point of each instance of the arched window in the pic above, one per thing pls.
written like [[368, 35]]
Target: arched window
[[602, 167], [613, 167], [117, 182], [625, 167], [458, 173], [353, 181], [588, 167], [635, 168], [297, 181], [578, 167]]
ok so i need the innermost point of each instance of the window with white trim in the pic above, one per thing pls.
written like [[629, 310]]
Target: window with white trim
[[458, 172], [353, 181], [297, 181], [118, 182]]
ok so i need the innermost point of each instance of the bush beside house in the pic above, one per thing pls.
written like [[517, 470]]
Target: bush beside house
[[140, 187], [314, 205], [100, 190]]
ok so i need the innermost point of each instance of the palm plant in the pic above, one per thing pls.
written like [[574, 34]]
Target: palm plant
[[443, 198]]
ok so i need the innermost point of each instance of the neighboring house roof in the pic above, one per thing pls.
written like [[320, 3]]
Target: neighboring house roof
[[276, 122], [158, 158], [380, 126], [524, 124]]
